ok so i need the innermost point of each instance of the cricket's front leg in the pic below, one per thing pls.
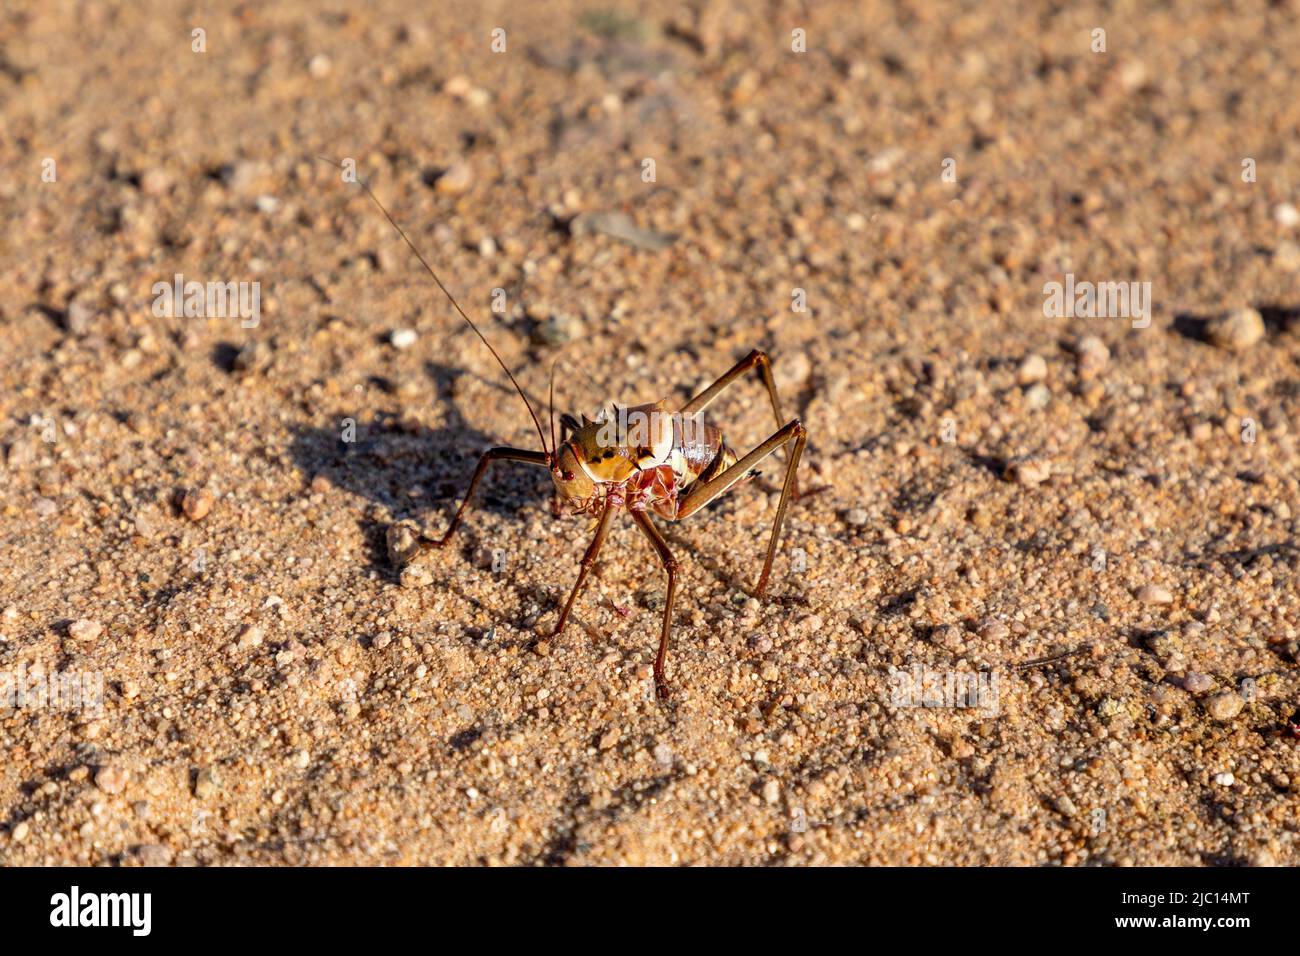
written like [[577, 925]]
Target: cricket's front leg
[[588, 559], [489, 456]]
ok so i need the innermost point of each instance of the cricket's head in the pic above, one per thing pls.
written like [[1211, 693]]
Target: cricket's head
[[572, 482]]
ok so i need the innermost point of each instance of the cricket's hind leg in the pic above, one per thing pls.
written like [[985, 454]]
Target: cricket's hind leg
[[701, 494], [588, 559], [489, 456], [756, 359], [670, 565]]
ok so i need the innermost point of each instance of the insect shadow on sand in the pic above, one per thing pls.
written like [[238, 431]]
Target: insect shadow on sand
[[387, 458]]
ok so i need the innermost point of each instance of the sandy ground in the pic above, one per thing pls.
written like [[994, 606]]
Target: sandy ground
[[1106, 533]]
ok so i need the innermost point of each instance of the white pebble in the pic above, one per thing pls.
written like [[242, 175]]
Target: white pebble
[[1225, 706], [1032, 369], [85, 630], [1197, 683], [1029, 471], [1154, 594], [1236, 331]]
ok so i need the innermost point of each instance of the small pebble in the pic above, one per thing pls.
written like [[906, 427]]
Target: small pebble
[[1133, 75], [207, 784], [1092, 356], [145, 525], [155, 181], [1032, 369], [856, 517], [20, 455], [85, 630], [1109, 707], [197, 503], [154, 854], [1038, 396], [1197, 683], [402, 543], [1224, 779], [253, 356], [771, 792], [454, 180], [78, 316], [1154, 594], [1029, 471], [1165, 646], [557, 329], [1236, 331], [792, 371], [608, 739], [249, 637], [111, 779], [458, 86], [403, 338], [949, 637], [1225, 706], [19, 833], [1287, 255], [415, 576], [1287, 216]]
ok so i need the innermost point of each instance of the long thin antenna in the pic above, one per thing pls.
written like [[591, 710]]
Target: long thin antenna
[[450, 298], [551, 414]]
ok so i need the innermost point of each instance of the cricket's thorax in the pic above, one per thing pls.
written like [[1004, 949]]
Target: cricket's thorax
[[643, 457]]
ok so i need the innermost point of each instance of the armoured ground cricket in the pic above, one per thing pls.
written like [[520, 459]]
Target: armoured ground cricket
[[642, 459]]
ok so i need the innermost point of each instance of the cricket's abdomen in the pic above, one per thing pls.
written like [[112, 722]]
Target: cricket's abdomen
[[700, 451]]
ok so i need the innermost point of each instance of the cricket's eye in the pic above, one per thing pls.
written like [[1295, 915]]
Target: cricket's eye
[[566, 475]]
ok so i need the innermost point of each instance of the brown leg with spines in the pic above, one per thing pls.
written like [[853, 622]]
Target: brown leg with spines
[[489, 456], [701, 494], [588, 559], [670, 565]]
